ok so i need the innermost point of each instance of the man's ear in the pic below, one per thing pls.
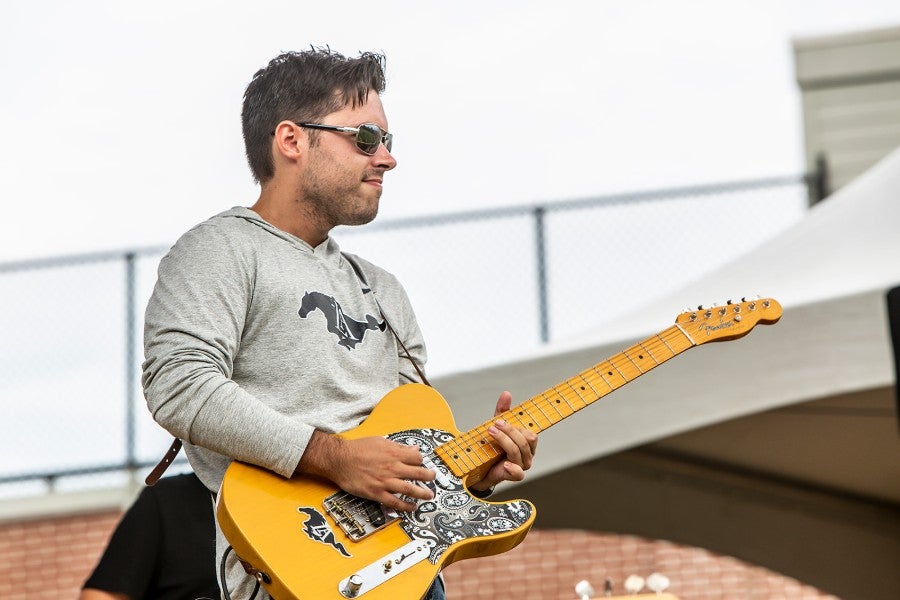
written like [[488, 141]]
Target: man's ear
[[290, 142]]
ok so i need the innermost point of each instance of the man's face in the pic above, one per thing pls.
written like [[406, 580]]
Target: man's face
[[341, 183]]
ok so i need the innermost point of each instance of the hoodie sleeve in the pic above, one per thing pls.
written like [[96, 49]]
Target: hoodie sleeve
[[193, 327]]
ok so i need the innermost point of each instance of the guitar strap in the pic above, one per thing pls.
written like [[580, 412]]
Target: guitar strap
[[173, 450], [167, 459], [366, 288]]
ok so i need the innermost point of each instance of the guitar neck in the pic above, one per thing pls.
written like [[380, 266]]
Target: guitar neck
[[474, 451]]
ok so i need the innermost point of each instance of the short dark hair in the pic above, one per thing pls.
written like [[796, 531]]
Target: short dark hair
[[303, 86]]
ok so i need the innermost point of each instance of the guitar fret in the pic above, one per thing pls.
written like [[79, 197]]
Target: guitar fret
[[611, 373], [459, 454], [526, 423], [649, 353], [634, 363], [566, 400], [603, 377], [588, 382], [574, 389], [663, 340], [568, 396], [516, 417], [465, 446], [487, 446], [629, 367], [577, 395], [557, 405], [549, 420], [660, 346], [561, 396], [541, 419], [444, 455], [479, 444]]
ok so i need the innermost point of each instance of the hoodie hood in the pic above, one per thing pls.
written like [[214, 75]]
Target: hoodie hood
[[327, 248]]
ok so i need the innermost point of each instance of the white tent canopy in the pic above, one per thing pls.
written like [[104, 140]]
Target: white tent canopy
[[830, 272]]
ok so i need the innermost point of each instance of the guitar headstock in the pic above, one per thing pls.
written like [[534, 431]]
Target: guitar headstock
[[730, 321]]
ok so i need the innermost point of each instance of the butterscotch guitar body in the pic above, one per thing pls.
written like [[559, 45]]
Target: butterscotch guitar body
[[308, 538]]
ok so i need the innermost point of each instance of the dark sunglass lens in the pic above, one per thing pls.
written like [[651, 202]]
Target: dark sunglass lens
[[368, 138], [388, 141]]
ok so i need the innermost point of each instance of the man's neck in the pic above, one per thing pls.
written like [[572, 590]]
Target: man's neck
[[290, 216]]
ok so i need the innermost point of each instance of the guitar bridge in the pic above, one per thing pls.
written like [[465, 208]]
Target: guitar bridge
[[357, 517]]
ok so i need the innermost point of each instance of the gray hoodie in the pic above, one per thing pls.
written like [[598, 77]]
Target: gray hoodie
[[253, 338]]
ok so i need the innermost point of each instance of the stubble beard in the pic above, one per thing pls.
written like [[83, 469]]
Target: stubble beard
[[347, 204]]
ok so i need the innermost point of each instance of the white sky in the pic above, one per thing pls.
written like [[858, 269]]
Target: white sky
[[120, 121]]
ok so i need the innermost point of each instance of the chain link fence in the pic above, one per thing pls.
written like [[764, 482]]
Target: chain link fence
[[487, 286]]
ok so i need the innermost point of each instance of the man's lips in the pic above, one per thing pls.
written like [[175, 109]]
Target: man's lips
[[374, 181]]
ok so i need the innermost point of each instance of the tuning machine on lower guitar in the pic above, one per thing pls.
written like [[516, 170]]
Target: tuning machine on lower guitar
[[633, 586]]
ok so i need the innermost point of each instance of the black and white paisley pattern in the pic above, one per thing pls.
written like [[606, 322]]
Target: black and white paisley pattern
[[454, 514]]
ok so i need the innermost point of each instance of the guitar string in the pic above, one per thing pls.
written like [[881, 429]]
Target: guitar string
[[653, 345], [586, 377], [589, 375]]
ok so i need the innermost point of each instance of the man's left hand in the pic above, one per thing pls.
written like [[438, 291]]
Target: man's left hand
[[518, 443]]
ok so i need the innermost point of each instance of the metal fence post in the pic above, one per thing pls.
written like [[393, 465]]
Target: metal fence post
[[130, 372], [817, 182], [541, 258]]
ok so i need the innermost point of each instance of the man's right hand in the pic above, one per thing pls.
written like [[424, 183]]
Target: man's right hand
[[372, 467]]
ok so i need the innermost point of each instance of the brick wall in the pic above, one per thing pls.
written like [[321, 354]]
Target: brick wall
[[549, 563], [50, 559]]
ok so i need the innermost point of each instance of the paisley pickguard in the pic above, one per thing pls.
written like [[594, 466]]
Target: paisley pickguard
[[454, 514]]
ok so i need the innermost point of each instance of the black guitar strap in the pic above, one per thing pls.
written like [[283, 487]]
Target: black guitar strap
[[173, 450]]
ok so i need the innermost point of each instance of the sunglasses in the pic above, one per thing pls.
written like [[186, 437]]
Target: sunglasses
[[368, 135]]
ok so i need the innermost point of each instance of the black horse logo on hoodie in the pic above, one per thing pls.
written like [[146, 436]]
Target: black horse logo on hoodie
[[348, 330]]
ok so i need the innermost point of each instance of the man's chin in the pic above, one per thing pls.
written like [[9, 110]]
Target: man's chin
[[362, 219]]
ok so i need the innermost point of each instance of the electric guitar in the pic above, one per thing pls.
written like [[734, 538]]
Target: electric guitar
[[304, 538]]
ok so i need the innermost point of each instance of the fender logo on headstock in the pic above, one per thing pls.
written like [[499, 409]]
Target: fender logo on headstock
[[709, 329]]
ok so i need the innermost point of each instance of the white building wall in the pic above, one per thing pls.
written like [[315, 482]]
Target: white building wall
[[850, 88]]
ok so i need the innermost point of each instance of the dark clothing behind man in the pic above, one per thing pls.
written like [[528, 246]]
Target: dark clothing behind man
[[164, 546]]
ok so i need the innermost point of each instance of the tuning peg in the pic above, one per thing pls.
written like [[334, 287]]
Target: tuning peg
[[729, 302], [584, 589], [658, 582], [608, 588], [634, 584]]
